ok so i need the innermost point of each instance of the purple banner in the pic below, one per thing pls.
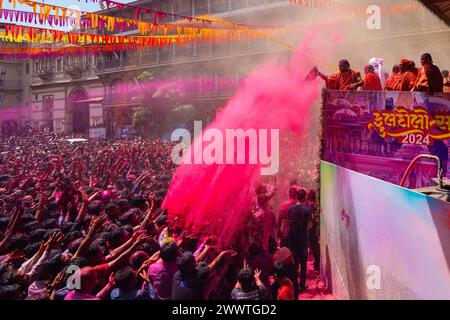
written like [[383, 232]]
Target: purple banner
[[380, 133]]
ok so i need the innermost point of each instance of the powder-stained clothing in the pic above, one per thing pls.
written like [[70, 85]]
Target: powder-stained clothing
[[282, 217], [285, 290], [393, 80], [265, 225], [447, 85], [161, 274], [298, 216], [343, 80], [406, 83], [192, 288], [257, 294], [429, 79], [372, 82]]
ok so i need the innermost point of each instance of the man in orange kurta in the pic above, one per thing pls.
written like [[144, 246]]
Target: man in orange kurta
[[371, 81], [345, 79], [407, 76], [429, 78], [393, 79]]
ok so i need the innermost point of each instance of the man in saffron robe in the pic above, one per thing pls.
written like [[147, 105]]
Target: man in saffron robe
[[407, 76], [345, 79], [371, 81], [429, 78], [393, 78]]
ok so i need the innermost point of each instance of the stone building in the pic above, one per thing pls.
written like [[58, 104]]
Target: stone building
[[74, 93]]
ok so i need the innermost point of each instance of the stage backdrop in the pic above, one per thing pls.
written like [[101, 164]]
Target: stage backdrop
[[379, 133], [380, 241]]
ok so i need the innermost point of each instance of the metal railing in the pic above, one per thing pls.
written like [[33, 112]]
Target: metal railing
[[111, 64], [182, 54]]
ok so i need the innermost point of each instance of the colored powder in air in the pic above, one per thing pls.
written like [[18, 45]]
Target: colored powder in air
[[216, 198]]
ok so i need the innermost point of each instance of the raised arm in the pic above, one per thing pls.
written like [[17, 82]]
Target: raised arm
[[320, 74], [12, 226], [40, 209], [257, 275], [202, 254], [28, 265], [213, 265], [120, 260], [114, 254], [53, 242], [86, 200], [84, 245], [105, 293], [153, 259], [148, 217]]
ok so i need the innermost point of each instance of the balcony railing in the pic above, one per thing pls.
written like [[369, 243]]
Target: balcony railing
[[75, 70], [183, 54], [111, 64], [45, 73], [10, 84]]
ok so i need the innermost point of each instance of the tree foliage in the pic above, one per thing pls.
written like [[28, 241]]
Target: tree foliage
[[142, 122]]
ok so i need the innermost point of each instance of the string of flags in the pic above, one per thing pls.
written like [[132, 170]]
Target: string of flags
[[93, 32]]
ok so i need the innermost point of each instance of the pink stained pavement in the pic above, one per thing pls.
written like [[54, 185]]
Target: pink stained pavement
[[316, 288]]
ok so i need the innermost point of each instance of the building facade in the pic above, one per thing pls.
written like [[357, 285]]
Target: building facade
[[72, 94], [216, 70], [13, 90], [210, 72], [65, 94]]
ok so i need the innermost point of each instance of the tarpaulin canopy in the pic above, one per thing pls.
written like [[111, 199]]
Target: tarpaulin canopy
[[439, 7]]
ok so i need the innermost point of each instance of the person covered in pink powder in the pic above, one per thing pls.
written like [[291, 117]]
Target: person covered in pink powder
[[299, 217], [264, 221], [283, 225]]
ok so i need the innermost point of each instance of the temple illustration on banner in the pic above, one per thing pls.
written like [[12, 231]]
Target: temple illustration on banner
[[379, 133]]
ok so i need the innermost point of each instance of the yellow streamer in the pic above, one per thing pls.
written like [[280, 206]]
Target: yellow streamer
[[13, 4]]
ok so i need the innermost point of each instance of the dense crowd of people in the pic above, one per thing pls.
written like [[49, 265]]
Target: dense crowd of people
[[84, 222]]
